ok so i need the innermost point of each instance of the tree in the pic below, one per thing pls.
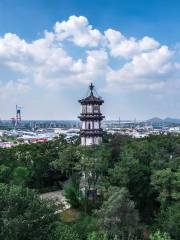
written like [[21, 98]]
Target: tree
[[97, 236], [166, 182], [37, 159], [119, 216], [159, 236], [133, 173], [169, 220], [20, 175], [23, 215], [86, 225], [68, 156], [93, 165], [5, 173], [73, 193], [65, 232]]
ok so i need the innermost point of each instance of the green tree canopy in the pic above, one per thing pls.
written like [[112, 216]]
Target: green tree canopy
[[24, 216], [119, 216], [159, 236]]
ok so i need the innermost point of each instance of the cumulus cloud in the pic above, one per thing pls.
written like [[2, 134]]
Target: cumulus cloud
[[120, 46], [78, 30], [148, 70], [46, 62]]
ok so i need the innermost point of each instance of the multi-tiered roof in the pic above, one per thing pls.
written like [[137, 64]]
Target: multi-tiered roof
[[91, 98], [94, 115]]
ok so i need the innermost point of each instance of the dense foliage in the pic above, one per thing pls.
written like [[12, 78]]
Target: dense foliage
[[32, 165], [23, 215], [125, 189]]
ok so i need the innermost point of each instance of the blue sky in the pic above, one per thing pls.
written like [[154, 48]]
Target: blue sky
[[129, 49]]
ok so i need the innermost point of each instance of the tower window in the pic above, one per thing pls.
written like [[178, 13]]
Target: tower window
[[89, 126], [96, 108], [84, 109], [89, 108]]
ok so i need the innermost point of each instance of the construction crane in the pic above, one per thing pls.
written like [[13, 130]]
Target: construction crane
[[18, 114], [17, 119]]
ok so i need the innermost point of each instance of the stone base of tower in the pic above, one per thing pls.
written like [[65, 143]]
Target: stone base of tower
[[87, 141]]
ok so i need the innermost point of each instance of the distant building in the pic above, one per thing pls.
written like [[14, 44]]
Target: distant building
[[91, 117]]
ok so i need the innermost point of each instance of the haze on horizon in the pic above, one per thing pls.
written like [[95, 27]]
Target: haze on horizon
[[50, 51]]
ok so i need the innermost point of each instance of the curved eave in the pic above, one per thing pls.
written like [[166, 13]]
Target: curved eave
[[94, 132], [91, 117], [86, 102]]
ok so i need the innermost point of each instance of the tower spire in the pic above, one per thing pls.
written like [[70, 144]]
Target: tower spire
[[91, 87]]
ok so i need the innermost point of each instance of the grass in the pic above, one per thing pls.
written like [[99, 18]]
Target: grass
[[70, 215]]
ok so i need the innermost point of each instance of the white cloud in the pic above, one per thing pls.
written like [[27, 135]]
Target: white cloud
[[46, 62], [78, 30], [148, 70], [120, 46]]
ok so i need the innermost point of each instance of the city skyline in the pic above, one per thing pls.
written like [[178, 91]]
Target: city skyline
[[51, 51]]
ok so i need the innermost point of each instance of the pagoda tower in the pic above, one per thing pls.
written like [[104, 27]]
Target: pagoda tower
[[91, 117]]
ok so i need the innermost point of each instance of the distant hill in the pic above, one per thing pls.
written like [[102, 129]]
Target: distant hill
[[166, 120], [172, 120], [155, 120]]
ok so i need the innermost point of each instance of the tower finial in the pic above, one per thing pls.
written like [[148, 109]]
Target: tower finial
[[91, 87]]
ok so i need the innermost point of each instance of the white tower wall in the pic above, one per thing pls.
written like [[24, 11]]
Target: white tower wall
[[91, 117]]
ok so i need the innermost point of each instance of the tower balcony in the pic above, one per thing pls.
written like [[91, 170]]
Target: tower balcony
[[91, 116], [91, 132]]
